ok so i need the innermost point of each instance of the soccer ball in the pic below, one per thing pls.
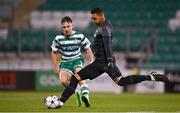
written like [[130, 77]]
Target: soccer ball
[[52, 102]]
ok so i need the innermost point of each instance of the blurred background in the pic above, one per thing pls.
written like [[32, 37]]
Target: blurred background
[[146, 37]]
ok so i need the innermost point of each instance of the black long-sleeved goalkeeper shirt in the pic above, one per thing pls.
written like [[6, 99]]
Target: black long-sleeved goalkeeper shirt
[[103, 41]]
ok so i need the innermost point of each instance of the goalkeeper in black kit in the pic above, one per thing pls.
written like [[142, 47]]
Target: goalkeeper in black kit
[[104, 61]]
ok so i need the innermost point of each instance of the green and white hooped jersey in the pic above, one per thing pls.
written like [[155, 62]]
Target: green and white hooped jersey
[[70, 47]]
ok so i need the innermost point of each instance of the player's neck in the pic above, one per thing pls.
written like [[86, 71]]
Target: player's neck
[[103, 21], [70, 34]]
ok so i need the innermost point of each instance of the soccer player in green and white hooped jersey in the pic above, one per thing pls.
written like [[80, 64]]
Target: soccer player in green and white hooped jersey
[[67, 58]]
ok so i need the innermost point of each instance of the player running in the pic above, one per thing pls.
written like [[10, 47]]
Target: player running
[[67, 57]]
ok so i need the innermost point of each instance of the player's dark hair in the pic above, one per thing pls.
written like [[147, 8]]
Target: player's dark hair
[[66, 19], [98, 11]]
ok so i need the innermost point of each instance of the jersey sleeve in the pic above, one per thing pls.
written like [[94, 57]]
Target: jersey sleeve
[[55, 44], [85, 43]]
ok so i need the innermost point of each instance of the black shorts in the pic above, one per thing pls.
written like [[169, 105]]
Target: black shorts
[[97, 68]]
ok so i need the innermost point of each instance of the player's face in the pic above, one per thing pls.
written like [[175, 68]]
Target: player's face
[[97, 19], [67, 28]]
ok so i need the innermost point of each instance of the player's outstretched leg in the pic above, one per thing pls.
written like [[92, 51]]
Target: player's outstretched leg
[[158, 77], [133, 79], [85, 95]]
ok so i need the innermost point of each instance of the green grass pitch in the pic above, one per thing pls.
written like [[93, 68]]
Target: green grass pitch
[[100, 102]]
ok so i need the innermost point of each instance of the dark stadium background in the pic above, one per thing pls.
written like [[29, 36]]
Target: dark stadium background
[[146, 37]]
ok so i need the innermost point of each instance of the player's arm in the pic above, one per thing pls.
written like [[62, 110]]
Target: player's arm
[[107, 41], [89, 55], [56, 59], [86, 45]]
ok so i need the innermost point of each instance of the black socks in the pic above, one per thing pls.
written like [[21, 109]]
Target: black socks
[[132, 79]]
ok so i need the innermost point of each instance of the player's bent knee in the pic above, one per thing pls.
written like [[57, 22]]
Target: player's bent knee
[[77, 77], [118, 79], [82, 82], [122, 82]]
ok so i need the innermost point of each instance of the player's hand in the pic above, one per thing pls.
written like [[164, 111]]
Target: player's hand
[[90, 61], [110, 64]]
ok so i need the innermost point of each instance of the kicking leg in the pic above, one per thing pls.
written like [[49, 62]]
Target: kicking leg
[[116, 75], [133, 79]]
